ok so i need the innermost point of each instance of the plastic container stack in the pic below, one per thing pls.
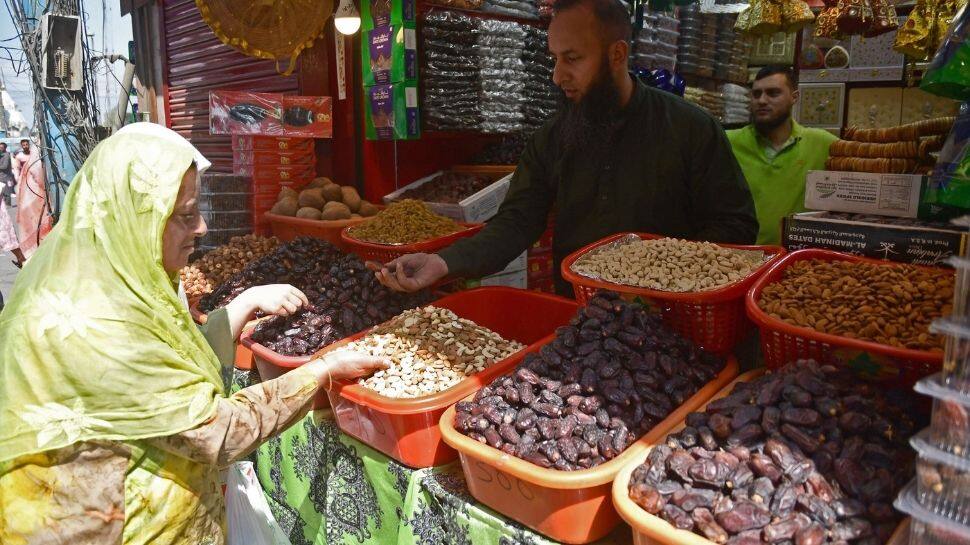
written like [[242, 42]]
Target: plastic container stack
[[711, 101], [656, 45], [731, 51], [225, 201], [939, 499], [697, 43], [737, 103], [497, 80]]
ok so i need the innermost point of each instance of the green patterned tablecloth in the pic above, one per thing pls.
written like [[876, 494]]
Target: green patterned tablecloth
[[326, 488]]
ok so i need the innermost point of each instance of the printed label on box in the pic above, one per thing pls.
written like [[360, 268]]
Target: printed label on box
[[864, 193]]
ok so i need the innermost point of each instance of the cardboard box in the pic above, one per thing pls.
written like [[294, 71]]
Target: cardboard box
[[270, 143], [389, 55], [242, 112], [391, 112], [375, 13], [906, 241], [296, 172], [897, 195], [308, 117], [476, 208], [272, 158]]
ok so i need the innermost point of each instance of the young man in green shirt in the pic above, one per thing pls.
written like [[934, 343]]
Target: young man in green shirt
[[775, 152]]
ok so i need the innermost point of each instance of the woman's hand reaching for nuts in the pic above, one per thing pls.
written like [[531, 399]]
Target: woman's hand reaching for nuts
[[345, 365], [412, 272]]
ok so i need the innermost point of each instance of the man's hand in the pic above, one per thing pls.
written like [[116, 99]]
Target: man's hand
[[411, 272], [345, 365], [280, 299]]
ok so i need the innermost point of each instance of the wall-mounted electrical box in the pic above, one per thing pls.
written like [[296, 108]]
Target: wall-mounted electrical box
[[61, 52]]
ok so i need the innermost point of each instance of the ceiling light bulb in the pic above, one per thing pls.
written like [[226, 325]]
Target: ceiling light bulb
[[347, 18]]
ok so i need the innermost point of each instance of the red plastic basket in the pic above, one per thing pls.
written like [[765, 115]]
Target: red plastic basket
[[783, 343], [382, 253], [714, 320], [407, 429]]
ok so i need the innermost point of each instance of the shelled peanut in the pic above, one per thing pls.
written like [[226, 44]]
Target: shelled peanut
[[670, 264], [888, 304], [220, 264], [431, 350], [404, 222]]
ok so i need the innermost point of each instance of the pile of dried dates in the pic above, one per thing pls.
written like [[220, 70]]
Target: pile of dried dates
[[609, 376], [299, 263], [345, 298], [805, 455]]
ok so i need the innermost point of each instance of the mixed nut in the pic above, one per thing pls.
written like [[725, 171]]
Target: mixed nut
[[431, 349], [804, 455], [887, 304], [606, 379], [404, 222], [218, 265], [449, 187], [669, 264]]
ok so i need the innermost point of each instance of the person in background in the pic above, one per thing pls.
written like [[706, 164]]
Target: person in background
[[114, 413], [6, 172], [619, 156], [34, 215], [24, 147], [775, 152]]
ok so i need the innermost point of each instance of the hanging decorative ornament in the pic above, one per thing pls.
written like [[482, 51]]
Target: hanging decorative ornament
[[767, 17], [269, 29], [884, 18]]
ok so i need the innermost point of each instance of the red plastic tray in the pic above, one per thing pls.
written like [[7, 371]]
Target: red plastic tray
[[783, 343], [715, 320], [568, 506], [407, 429], [271, 364], [287, 228], [383, 253], [244, 356]]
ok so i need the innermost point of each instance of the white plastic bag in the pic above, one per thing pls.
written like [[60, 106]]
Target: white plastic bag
[[250, 522]]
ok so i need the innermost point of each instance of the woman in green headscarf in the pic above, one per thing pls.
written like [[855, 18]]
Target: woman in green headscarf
[[114, 420]]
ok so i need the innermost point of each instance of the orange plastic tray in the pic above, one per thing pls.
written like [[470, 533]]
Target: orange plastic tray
[[407, 429], [568, 506], [714, 320], [287, 228], [244, 356], [652, 530], [271, 364], [783, 343], [383, 253]]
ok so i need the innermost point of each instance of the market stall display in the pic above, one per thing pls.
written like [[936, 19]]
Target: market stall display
[[902, 149], [218, 265], [710, 101], [405, 222], [909, 351], [406, 428], [448, 187], [926, 27], [737, 104], [751, 467], [559, 427], [714, 319], [506, 151], [656, 42]]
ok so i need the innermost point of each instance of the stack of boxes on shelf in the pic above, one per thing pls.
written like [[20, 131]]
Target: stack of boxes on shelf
[[939, 500], [656, 45], [389, 63], [540, 264], [271, 163], [225, 201]]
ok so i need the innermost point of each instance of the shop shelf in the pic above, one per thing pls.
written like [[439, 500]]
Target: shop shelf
[[783, 343], [652, 530], [383, 253], [942, 481], [287, 228], [568, 506], [407, 429], [715, 320], [928, 528], [949, 428], [244, 356]]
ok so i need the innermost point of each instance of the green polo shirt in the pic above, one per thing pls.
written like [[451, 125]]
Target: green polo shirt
[[777, 177]]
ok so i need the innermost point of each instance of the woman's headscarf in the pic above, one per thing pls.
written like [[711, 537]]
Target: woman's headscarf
[[94, 342]]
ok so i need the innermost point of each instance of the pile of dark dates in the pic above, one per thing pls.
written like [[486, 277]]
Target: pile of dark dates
[[449, 187], [345, 299], [805, 455], [299, 263], [609, 377]]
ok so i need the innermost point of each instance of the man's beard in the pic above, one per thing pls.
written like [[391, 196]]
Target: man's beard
[[771, 124], [588, 125]]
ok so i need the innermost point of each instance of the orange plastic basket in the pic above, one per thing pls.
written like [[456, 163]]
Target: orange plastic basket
[[652, 530], [568, 506], [382, 253], [407, 429], [271, 364], [244, 356], [783, 343], [714, 320], [287, 228]]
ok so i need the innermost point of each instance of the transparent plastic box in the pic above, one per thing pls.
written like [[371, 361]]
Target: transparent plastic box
[[942, 480], [949, 428], [228, 220], [961, 289], [927, 527], [956, 355], [218, 237], [225, 202]]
